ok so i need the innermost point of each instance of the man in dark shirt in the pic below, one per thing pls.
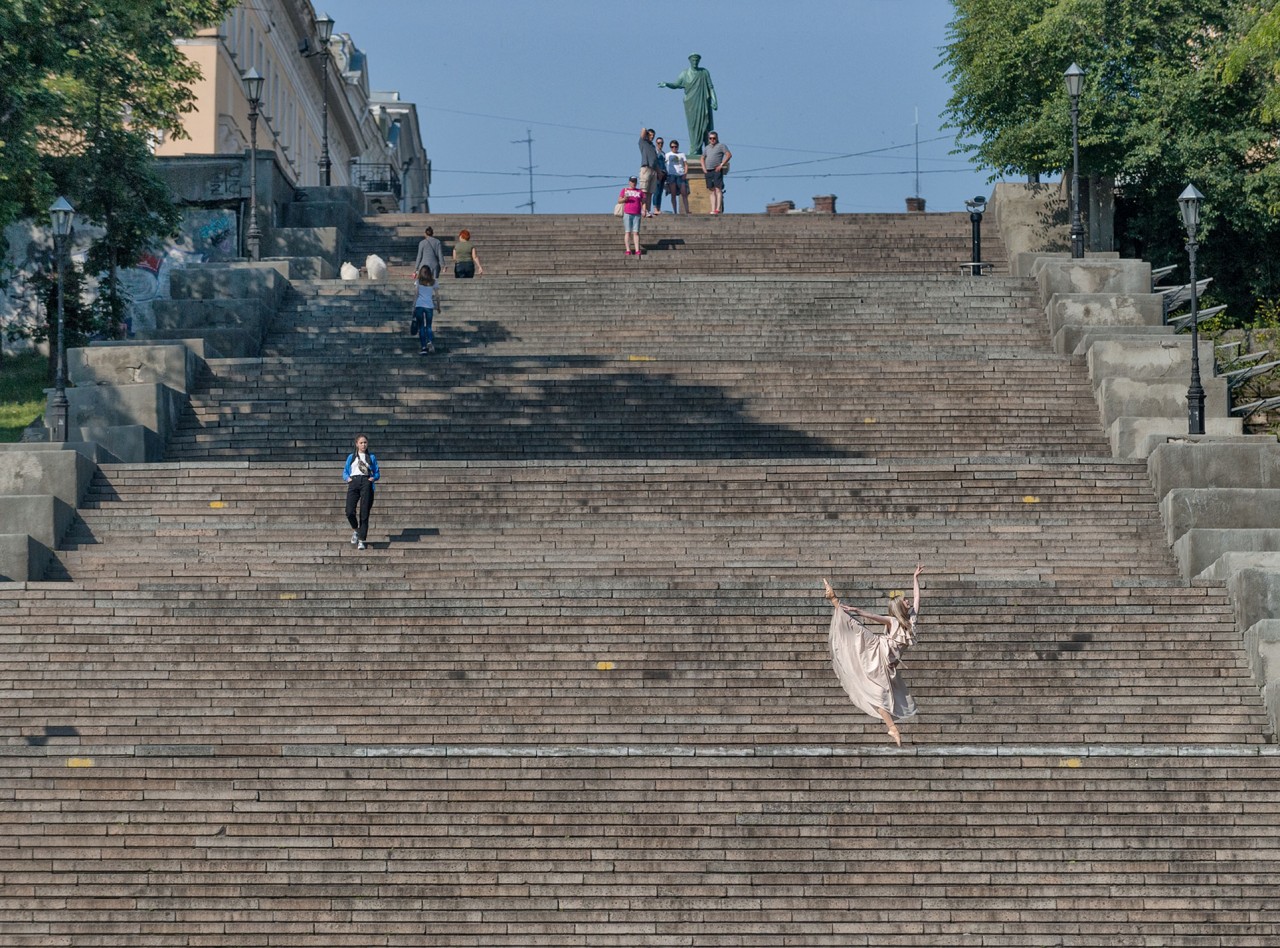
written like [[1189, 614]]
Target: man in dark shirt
[[650, 164]]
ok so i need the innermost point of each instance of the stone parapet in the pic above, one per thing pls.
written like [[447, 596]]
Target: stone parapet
[[176, 365], [1071, 315], [1092, 275]]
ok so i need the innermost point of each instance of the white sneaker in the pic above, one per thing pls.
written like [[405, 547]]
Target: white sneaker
[[355, 536], [360, 545]]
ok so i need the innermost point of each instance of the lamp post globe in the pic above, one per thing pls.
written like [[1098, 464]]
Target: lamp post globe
[[1074, 77], [60, 214], [253, 91], [324, 30], [1189, 207]]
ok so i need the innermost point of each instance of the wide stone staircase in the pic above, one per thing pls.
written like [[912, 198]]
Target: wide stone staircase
[[577, 692]]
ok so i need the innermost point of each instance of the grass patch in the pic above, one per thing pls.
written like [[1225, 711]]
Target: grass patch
[[22, 384]]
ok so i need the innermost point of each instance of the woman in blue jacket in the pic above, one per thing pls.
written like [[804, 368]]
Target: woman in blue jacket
[[360, 474]]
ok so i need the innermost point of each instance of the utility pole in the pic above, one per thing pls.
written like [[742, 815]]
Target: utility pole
[[917, 151], [528, 140]]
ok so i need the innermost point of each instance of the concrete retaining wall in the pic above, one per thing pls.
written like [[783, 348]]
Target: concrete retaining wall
[[1219, 493]]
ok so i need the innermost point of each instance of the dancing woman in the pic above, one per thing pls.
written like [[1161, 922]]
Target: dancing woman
[[867, 661]]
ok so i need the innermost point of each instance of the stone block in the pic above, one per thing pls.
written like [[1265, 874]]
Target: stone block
[[1232, 561], [1076, 340], [230, 343], [338, 207], [1219, 508], [1031, 218], [223, 281], [1103, 309], [249, 315], [1093, 276], [43, 517], [1248, 462], [173, 365], [1255, 596], [1137, 398], [90, 449], [130, 444], [1138, 436], [22, 558], [302, 268], [323, 242], [65, 474], [1262, 645], [150, 404], [1152, 359]]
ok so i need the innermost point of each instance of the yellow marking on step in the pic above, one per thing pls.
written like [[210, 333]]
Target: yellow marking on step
[[1030, 499], [217, 504], [79, 761], [604, 666], [382, 422], [640, 358], [1070, 762], [288, 595], [868, 421]]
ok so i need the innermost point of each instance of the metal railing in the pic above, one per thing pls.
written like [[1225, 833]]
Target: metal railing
[[375, 177]]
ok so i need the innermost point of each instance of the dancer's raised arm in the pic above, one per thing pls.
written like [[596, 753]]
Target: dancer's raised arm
[[915, 588]]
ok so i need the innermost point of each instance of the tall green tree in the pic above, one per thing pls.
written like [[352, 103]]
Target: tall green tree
[[1155, 114], [86, 83], [81, 79]]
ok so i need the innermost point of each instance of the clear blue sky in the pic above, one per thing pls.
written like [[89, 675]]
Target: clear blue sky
[[800, 84]]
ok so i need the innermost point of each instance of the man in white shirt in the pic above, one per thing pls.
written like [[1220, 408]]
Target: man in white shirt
[[677, 178]]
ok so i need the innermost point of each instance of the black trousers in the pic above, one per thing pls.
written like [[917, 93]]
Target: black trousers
[[359, 492]]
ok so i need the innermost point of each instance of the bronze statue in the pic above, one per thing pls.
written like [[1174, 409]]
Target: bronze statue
[[699, 102]]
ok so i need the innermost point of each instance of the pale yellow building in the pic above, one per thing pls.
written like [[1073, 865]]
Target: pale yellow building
[[373, 142]]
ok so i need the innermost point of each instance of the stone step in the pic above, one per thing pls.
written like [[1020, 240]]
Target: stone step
[[602, 848]]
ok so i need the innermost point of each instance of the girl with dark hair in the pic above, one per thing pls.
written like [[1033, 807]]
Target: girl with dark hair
[[867, 662], [360, 474], [424, 306]]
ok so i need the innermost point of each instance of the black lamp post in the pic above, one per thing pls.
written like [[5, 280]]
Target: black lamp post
[[1189, 204], [1075, 82], [324, 30], [253, 89], [976, 207], [60, 214]]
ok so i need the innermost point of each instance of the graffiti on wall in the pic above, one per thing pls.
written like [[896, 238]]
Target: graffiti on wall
[[206, 235]]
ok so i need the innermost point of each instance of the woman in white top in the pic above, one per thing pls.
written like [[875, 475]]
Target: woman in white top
[[867, 662], [677, 178]]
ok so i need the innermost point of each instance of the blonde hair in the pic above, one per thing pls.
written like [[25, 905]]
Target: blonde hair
[[898, 609]]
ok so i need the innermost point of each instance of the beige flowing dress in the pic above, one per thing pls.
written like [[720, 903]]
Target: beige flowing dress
[[866, 663]]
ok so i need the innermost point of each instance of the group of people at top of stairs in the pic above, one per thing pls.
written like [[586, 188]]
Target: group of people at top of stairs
[[426, 277], [867, 659], [669, 172]]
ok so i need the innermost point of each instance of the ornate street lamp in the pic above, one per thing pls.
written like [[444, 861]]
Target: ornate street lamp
[[324, 30], [60, 214], [1075, 82], [1189, 205], [253, 89]]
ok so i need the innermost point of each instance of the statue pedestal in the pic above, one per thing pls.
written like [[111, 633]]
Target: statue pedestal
[[699, 196]]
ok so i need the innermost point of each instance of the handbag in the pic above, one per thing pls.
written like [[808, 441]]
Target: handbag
[[417, 323], [618, 208]]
